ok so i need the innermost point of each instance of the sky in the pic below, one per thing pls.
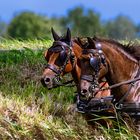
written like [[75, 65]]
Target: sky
[[108, 9]]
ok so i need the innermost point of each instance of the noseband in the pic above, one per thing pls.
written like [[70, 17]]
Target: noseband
[[66, 54]]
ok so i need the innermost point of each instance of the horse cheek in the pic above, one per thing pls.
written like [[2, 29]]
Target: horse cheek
[[68, 68]]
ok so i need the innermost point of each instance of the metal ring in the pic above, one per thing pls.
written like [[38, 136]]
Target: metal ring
[[118, 106]]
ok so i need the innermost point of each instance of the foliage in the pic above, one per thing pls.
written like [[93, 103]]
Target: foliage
[[30, 111], [3, 27], [82, 22], [121, 28], [28, 25], [138, 30]]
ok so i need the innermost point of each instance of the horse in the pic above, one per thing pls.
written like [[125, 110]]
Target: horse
[[62, 59], [120, 65]]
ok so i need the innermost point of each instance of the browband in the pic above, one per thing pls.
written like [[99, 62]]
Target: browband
[[58, 46]]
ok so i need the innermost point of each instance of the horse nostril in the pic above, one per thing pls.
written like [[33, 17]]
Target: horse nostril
[[43, 82], [84, 91], [47, 80]]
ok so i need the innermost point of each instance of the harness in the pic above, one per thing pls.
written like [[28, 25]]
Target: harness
[[133, 109], [94, 105], [104, 104], [66, 54]]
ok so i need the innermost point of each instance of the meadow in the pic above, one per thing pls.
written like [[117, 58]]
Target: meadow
[[29, 111]]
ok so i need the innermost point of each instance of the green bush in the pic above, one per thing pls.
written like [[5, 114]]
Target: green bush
[[28, 25]]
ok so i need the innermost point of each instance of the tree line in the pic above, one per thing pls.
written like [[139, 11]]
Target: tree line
[[82, 22]]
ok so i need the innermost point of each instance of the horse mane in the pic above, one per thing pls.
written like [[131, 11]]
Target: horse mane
[[131, 48], [81, 41]]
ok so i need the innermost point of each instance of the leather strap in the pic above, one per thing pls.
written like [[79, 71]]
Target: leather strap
[[87, 78], [53, 68]]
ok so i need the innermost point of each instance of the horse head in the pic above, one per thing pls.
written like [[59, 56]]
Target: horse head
[[93, 69], [60, 58]]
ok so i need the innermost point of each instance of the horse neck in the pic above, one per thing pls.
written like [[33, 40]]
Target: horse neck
[[121, 67], [76, 71], [76, 49], [119, 63]]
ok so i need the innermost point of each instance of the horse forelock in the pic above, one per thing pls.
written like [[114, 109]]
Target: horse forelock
[[82, 41]]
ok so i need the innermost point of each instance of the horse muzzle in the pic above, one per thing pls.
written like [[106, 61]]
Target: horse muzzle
[[89, 93], [47, 82]]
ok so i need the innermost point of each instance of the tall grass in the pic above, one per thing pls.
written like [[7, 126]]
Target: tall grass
[[29, 111]]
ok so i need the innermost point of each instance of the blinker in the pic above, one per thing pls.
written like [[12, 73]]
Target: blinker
[[94, 62], [63, 55]]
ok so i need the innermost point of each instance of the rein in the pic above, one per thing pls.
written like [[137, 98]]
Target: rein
[[131, 81], [133, 109], [125, 106], [121, 83]]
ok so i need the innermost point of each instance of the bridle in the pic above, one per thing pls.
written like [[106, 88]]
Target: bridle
[[96, 65], [66, 54], [94, 105]]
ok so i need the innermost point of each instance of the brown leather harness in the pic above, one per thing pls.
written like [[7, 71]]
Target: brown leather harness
[[103, 104]]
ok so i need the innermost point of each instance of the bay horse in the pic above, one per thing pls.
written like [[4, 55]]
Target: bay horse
[[120, 65], [62, 59]]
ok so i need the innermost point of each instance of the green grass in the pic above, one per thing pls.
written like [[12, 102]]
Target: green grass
[[29, 111], [32, 44]]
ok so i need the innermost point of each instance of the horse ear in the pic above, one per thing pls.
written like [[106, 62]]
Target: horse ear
[[91, 42], [55, 35], [79, 40], [68, 35], [82, 42]]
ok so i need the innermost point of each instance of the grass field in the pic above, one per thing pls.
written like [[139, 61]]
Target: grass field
[[29, 111]]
